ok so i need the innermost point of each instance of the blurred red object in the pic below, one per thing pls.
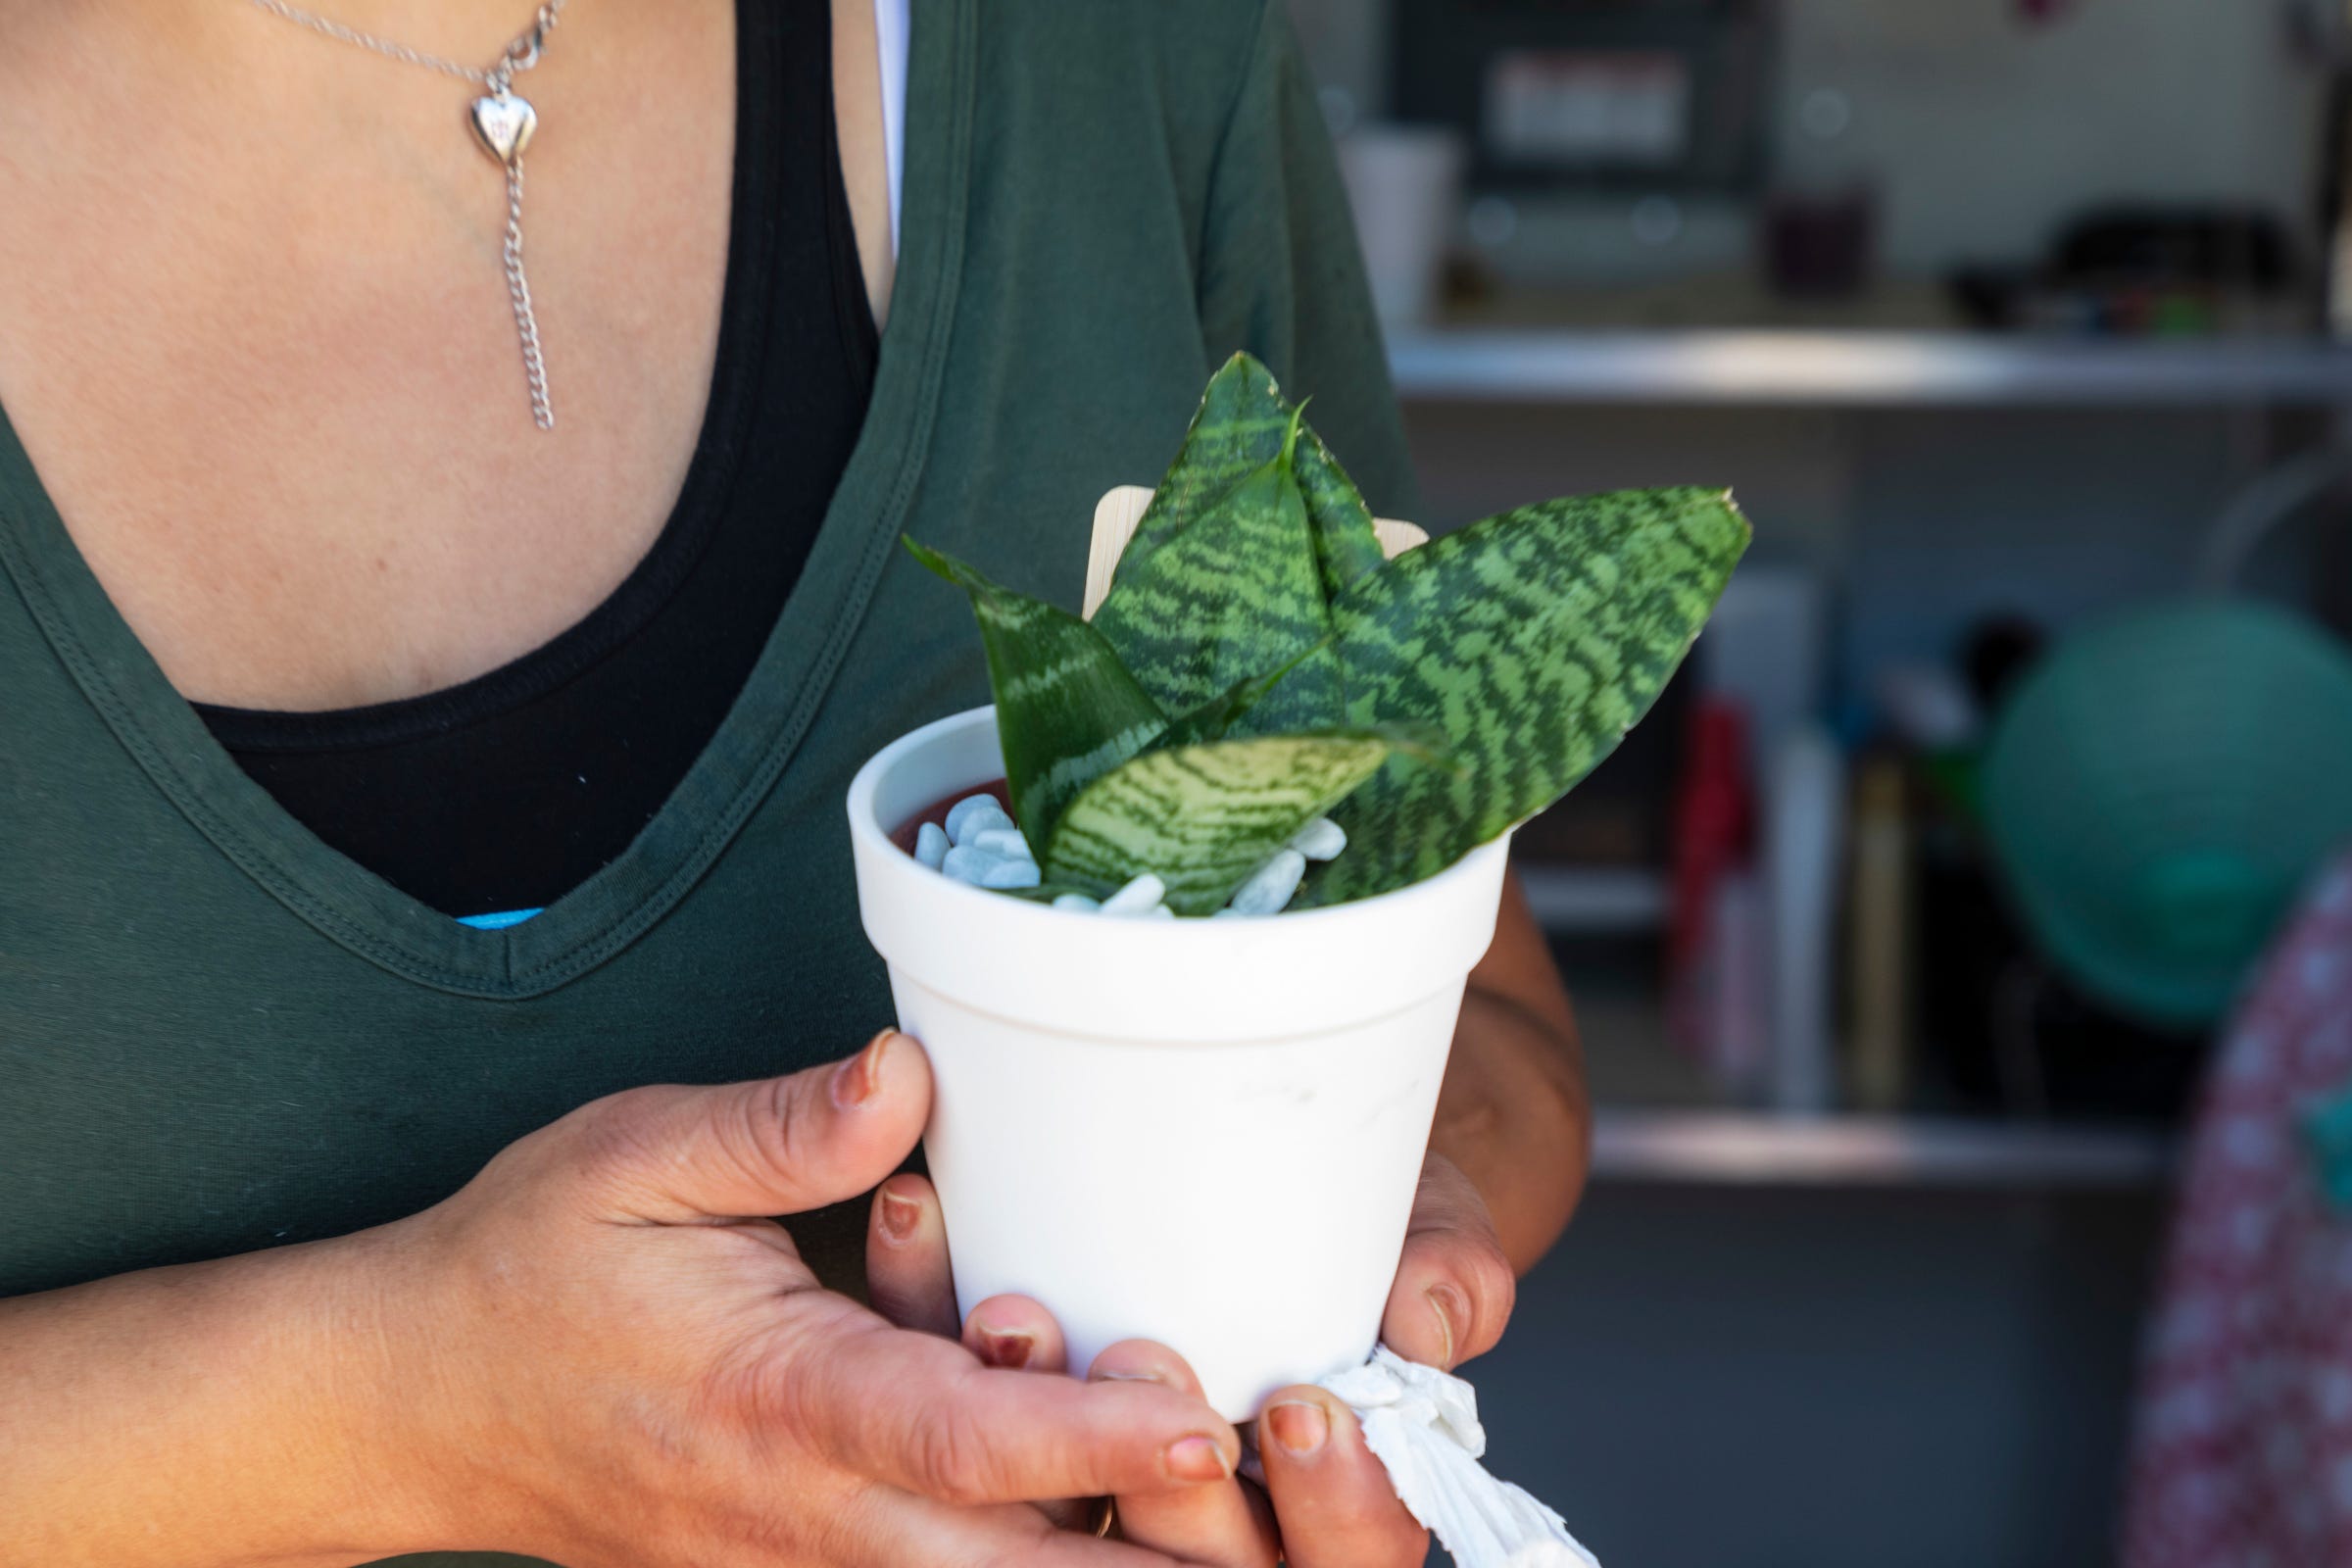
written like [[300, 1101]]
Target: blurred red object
[[1714, 817], [1714, 839]]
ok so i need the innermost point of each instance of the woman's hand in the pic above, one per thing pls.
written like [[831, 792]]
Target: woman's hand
[[595, 1353], [1327, 1502], [626, 1367]]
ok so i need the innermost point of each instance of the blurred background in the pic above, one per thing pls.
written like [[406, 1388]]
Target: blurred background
[[1905, 930]]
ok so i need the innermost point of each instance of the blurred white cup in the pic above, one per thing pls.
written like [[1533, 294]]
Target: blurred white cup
[[1405, 184]]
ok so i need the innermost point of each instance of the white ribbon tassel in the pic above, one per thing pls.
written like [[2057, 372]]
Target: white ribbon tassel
[[1422, 1425]]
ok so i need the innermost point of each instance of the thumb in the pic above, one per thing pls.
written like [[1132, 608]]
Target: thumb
[[778, 1145]]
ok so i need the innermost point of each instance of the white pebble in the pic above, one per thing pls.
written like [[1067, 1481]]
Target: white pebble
[[963, 864], [1320, 840], [1139, 897], [1159, 912], [1076, 900], [931, 844], [1001, 841], [1271, 885], [962, 823], [1010, 874], [980, 822]]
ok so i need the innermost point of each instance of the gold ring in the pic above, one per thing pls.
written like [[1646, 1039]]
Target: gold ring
[[1107, 1518]]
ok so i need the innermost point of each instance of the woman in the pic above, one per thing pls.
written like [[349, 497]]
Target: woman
[[399, 752]]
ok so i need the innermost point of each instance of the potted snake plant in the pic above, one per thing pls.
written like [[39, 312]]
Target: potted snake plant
[[1139, 1122]]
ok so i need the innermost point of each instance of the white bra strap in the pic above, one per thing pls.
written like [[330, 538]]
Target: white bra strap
[[891, 23]]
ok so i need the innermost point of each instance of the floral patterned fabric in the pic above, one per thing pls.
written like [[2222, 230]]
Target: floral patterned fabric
[[2242, 1453]]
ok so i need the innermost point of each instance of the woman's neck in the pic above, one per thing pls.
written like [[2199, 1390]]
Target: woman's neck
[[471, 31], [237, 34]]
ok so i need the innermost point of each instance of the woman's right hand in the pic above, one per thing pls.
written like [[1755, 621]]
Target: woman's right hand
[[600, 1355]]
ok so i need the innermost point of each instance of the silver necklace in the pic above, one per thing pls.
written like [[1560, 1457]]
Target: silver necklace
[[503, 123]]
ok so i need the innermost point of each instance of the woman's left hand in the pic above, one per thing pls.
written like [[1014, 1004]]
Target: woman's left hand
[[1327, 1502]]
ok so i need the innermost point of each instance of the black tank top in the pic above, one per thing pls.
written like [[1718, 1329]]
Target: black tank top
[[500, 795]]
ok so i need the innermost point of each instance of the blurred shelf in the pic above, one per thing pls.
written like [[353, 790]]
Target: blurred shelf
[[1575, 901], [1860, 369], [1754, 1148]]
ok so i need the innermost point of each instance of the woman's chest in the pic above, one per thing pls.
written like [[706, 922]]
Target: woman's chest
[[194, 1067], [224, 1037], [261, 339]]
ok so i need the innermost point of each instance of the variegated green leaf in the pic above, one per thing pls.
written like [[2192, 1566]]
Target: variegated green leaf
[[1346, 546], [1067, 712], [1234, 594], [1203, 817], [1535, 640], [1237, 430], [1230, 714]]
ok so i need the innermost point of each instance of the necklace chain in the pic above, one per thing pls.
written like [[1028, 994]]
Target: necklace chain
[[407, 56], [498, 78]]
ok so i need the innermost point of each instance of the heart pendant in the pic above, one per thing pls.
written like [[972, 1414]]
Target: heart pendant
[[505, 124]]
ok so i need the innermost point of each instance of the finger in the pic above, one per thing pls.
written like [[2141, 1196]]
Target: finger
[[906, 1274], [1454, 1286], [919, 1530], [778, 1145], [1226, 1525], [922, 1414], [1335, 1503], [1015, 1333]]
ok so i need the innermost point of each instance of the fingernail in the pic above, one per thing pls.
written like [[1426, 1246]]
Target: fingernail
[[901, 1214], [1126, 1377], [1197, 1459], [1298, 1425], [1447, 1303], [1008, 1348], [855, 1080]]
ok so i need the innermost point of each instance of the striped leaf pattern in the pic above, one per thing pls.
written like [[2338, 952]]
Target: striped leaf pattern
[[1239, 428], [1535, 640], [1203, 817], [1067, 712], [1234, 595], [1346, 546], [1233, 712]]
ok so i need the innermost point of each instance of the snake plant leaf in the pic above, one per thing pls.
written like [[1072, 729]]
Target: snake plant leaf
[[1222, 715], [1203, 817], [1346, 545], [1239, 428], [1067, 712], [1237, 593], [1534, 639]]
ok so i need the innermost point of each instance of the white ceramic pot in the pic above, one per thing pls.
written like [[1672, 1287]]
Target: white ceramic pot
[[1202, 1132]]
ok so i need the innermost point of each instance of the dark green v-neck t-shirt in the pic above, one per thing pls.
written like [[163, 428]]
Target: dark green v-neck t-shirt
[[217, 1035]]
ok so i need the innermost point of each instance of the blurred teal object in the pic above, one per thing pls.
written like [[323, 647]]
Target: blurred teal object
[[2157, 788], [2328, 1135]]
